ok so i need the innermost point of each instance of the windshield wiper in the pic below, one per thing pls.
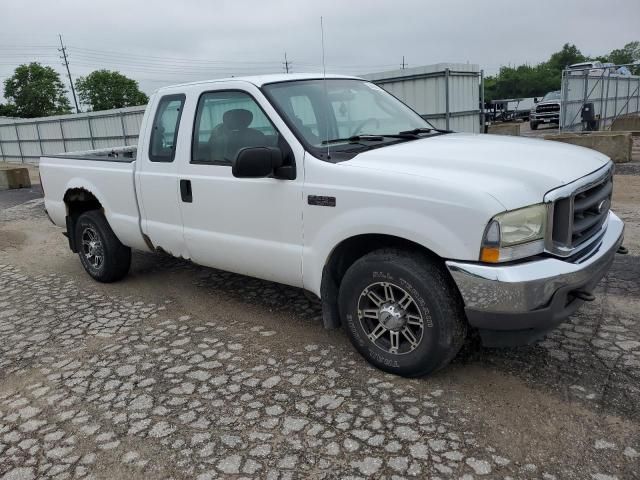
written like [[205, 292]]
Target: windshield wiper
[[406, 135], [355, 139], [416, 131]]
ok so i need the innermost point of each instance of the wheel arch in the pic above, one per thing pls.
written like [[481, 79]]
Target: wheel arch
[[78, 200], [344, 254]]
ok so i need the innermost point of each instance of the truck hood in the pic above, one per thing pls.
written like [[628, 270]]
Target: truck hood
[[515, 171]]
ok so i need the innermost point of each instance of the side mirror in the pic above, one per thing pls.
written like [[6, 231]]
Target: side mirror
[[535, 100], [256, 162]]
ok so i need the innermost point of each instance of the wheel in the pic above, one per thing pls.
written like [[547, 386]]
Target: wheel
[[101, 253], [533, 125], [402, 312]]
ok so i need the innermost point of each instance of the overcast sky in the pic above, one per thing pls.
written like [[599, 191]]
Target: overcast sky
[[160, 42]]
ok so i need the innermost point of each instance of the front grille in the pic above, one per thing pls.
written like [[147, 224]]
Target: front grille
[[579, 217], [548, 108]]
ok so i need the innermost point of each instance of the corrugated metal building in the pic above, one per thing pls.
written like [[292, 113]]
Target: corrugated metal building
[[446, 94]]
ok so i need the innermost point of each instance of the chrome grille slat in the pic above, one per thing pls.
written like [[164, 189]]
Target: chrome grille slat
[[580, 225], [555, 107]]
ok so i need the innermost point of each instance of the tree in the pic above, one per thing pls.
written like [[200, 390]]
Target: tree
[[628, 54], [104, 89], [565, 57], [35, 91], [7, 111]]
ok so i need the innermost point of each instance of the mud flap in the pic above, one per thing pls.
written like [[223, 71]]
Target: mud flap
[[70, 233], [329, 300]]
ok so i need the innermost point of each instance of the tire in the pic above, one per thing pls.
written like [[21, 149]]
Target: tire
[[93, 237], [432, 313], [533, 125]]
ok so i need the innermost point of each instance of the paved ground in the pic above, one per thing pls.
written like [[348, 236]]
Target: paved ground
[[186, 372]]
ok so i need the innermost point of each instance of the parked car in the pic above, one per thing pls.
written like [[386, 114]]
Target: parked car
[[546, 110], [410, 236]]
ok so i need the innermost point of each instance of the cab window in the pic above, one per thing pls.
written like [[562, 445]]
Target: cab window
[[164, 132], [226, 122]]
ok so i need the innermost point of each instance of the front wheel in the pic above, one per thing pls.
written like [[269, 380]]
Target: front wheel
[[101, 253], [533, 125], [402, 312]]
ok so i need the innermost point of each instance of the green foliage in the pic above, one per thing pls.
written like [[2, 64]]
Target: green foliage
[[35, 91], [7, 111], [628, 54], [521, 82], [104, 89], [565, 57], [526, 81]]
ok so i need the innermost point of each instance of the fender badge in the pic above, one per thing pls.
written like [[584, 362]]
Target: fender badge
[[321, 201]]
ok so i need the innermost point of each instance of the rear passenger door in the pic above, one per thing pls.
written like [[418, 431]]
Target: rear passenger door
[[251, 226], [157, 177]]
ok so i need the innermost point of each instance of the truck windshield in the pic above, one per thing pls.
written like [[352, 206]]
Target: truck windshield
[[551, 96], [348, 114]]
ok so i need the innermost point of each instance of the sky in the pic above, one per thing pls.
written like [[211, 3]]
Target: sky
[[163, 42]]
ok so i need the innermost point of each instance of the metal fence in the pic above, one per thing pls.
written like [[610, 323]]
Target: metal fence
[[612, 95], [25, 141], [445, 94]]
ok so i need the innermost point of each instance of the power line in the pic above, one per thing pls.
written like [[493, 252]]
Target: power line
[[66, 64], [113, 53]]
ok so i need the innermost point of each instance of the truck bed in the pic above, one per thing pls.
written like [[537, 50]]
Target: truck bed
[[126, 154], [108, 175]]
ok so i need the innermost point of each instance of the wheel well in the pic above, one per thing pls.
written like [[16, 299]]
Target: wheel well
[[350, 250], [343, 256], [78, 201]]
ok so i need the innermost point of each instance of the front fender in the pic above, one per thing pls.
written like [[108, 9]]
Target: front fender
[[415, 226]]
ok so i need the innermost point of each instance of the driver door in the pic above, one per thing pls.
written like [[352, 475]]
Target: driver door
[[251, 226]]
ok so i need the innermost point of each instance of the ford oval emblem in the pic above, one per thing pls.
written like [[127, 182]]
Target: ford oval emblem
[[603, 206]]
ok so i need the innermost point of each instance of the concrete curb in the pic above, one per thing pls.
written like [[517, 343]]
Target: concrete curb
[[14, 178], [504, 129], [616, 145]]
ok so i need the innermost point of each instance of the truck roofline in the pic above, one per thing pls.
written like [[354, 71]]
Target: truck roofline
[[260, 80]]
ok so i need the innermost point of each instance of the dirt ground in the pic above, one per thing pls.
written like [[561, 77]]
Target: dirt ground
[[181, 371]]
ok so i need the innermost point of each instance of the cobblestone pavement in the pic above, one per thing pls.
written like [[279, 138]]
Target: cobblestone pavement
[[186, 372]]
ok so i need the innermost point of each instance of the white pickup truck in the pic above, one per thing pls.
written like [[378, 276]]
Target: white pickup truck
[[410, 236]]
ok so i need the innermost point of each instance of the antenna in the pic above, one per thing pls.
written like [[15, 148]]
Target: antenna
[[286, 63], [326, 94]]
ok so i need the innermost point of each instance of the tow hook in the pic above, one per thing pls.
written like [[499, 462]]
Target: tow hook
[[583, 295], [622, 250]]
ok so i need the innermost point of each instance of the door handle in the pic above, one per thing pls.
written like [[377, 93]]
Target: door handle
[[185, 191]]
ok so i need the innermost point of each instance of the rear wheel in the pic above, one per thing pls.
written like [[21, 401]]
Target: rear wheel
[[402, 312], [103, 256]]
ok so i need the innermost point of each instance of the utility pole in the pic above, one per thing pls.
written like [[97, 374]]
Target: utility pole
[[63, 49], [286, 63], [404, 65]]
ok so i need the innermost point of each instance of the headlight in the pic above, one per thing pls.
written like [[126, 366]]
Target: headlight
[[515, 234]]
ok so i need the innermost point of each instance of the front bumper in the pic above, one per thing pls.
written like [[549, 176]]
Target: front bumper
[[544, 117], [518, 303]]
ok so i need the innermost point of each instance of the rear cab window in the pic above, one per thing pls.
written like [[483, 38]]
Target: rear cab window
[[164, 131]]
